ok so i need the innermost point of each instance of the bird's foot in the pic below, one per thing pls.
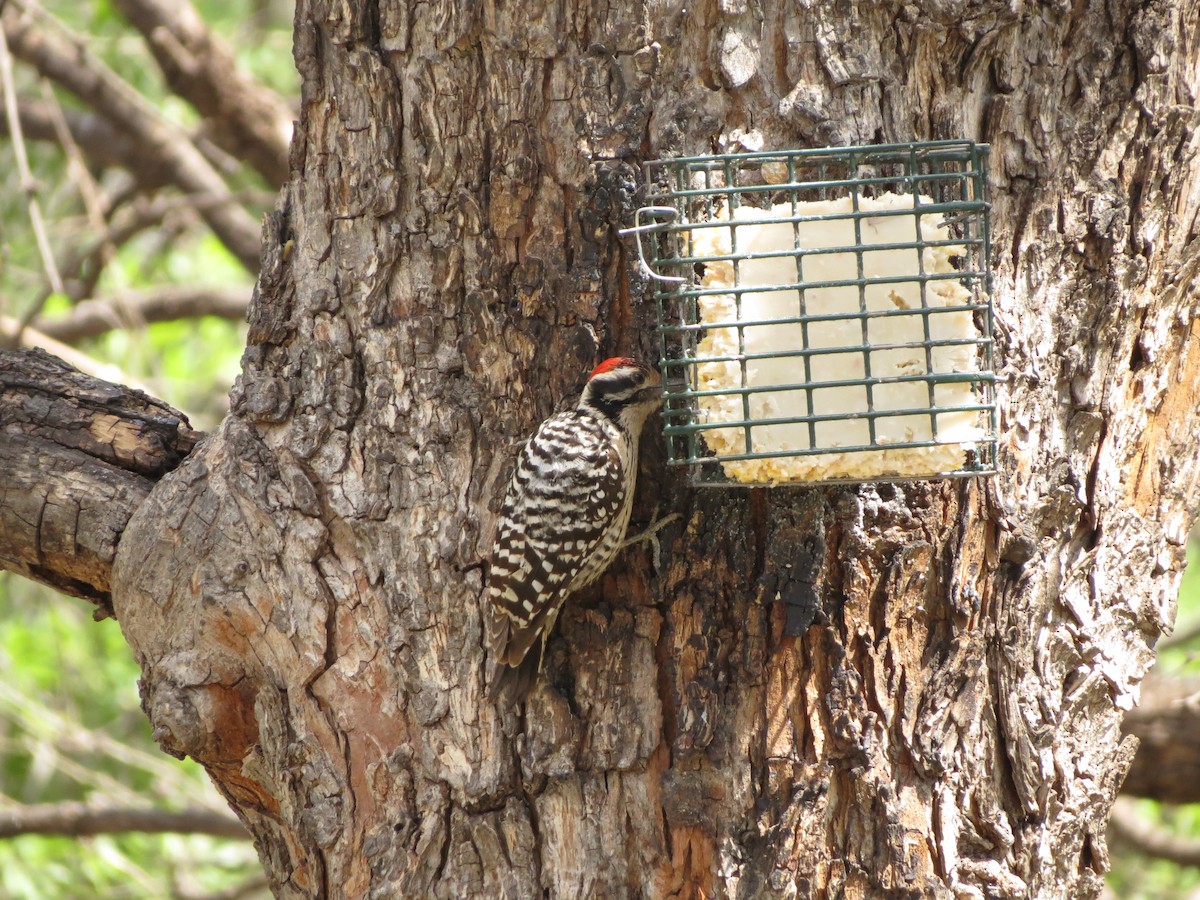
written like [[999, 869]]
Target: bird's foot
[[650, 533]]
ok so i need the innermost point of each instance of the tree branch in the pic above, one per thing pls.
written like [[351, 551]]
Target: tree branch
[[102, 143], [1167, 725], [1183, 634], [162, 304], [83, 820], [1129, 827], [71, 66], [77, 458], [248, 120], [83, 264]]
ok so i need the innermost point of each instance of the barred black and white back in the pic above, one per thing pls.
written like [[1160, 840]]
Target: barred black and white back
[[564, 515]]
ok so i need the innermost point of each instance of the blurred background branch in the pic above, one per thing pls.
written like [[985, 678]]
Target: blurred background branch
[[244, 118], [83, 820], [60, 55], [138, 308]]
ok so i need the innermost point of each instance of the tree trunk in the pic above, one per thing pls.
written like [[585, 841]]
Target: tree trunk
[[442, 269]]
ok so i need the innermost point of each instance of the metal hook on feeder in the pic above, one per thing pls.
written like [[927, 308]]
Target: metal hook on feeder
[[638, 229]]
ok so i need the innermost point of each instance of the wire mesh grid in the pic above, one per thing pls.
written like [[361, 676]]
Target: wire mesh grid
[[824, 315]]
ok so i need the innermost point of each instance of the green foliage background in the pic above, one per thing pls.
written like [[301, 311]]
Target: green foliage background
[[71, 726]]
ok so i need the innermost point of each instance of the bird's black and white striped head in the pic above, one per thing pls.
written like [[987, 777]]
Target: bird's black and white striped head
[[624, 390]]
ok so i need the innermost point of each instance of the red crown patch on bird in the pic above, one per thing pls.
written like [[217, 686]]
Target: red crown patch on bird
[[615, 362]]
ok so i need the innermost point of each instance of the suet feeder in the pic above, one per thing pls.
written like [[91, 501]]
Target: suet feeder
[[824, 315]]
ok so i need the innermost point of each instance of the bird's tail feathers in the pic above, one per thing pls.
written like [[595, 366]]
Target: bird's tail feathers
[[511, 684]]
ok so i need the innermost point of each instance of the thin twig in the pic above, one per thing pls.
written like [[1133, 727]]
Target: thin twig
[[103, 144], [56, 731], [132, 214], [88, 191], [28, 184]]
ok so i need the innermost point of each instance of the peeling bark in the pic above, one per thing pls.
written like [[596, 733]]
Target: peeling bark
[[443, 268]]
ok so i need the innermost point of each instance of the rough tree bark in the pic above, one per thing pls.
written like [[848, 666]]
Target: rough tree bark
[[443, 267]]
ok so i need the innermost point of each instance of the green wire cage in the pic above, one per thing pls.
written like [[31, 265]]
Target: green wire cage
[[824, 315]]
